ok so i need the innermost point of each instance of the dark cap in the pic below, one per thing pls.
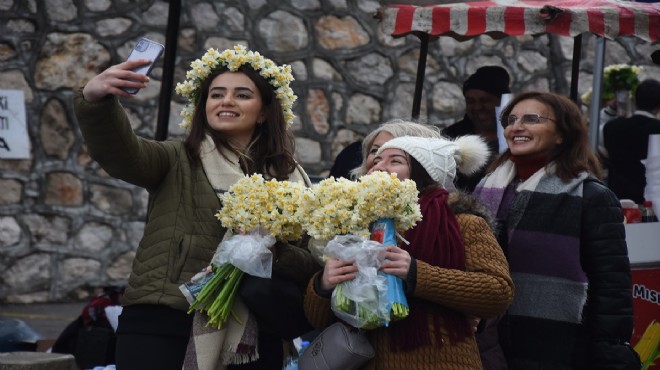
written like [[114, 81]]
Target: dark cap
[[491, 79], [655, 56]]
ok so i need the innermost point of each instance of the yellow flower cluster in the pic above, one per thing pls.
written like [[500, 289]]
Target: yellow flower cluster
[[253, 203], [278, 76], [331, 207], [340, 206], [383, 195]]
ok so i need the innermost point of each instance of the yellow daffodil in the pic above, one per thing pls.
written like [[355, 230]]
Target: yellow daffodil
[[271, 205]]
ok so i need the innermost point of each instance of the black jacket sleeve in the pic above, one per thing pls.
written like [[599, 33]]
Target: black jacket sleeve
[[608, 314]]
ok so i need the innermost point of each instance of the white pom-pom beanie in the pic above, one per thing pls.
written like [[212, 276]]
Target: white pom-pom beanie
[[441, 158]]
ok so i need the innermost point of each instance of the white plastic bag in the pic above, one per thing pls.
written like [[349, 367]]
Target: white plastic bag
[[361, 302], [248, 252]]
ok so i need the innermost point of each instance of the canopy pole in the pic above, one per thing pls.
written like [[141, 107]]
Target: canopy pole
[[575, 71], [421, 69], [171, 36], [594, 107]]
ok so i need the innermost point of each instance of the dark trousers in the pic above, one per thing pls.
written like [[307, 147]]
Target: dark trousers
[[141, 351], [271, 354], [152, 337], [156, 337]]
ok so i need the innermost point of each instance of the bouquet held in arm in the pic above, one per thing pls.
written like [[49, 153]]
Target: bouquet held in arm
[[344, 212], [257, 213]]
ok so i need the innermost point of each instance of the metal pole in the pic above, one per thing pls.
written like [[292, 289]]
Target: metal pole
[[594, 107], [171, 36], [575, 71], [421, 69]]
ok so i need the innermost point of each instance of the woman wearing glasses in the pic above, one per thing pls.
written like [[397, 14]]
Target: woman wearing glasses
[[562, 232]]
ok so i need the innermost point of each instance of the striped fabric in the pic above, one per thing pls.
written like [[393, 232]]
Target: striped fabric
[[463, 20], [541, 238], [543, 243]]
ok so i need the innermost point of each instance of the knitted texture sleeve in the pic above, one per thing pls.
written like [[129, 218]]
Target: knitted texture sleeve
[[317, 307], [485, 289]]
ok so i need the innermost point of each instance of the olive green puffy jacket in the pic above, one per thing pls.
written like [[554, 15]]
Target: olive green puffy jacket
[[181, 232]]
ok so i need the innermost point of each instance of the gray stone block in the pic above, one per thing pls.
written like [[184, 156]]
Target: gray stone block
[[36, 361]]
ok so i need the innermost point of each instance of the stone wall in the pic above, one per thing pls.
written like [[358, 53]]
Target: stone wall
[[66, 227]]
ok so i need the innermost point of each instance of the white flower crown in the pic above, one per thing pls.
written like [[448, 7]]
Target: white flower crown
[[278, 76]]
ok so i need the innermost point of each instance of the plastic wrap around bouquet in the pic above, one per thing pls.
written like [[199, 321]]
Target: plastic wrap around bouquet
[[345, 212], [257, 213]]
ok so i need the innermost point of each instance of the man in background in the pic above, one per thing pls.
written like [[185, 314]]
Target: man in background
[[626, 141], [483, 93]]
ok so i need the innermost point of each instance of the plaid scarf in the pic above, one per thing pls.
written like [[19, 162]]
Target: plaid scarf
[[542, 232]]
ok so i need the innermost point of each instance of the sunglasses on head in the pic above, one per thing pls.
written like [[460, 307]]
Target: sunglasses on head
[[525, 119]]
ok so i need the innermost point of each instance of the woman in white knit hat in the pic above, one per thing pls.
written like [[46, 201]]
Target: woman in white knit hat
[[453, 269]]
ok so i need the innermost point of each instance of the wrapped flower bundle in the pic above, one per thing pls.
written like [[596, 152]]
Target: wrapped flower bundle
[[619, 77], [258, 212], [616, 77], [338, 207], [392, 210]]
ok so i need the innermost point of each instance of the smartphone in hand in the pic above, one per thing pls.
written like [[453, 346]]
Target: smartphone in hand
[[144, 49]]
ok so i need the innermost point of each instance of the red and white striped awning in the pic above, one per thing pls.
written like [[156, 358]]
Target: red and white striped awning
[[498, 18]]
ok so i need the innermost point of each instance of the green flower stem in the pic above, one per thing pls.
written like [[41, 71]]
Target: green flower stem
[[209, 288], [364, 315], [399, 311], [217, 296]]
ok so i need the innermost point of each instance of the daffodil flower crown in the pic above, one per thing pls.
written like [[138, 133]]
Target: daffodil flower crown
[[277, 76]]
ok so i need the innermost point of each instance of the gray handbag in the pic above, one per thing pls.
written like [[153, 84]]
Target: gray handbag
[[338, 347]]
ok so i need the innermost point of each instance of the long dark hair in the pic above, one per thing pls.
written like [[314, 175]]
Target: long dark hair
[[271, 149], [574, 154]]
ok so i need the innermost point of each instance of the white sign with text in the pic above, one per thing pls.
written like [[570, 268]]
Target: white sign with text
[[14, 140]]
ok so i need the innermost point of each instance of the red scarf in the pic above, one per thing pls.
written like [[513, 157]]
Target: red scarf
[[435, 240], [527, 166]]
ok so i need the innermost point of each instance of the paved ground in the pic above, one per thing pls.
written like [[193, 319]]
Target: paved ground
[[47, 319]]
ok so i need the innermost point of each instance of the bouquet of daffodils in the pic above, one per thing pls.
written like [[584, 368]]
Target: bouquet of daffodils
[[258, 212], [398, 213], [619, 77], [341, 206], [616, 77], [330, 209], [335, 208]]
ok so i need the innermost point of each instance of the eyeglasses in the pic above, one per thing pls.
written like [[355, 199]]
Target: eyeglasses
[[525, 119]]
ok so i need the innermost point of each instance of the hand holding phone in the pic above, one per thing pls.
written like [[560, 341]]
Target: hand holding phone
[[144, 49]]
